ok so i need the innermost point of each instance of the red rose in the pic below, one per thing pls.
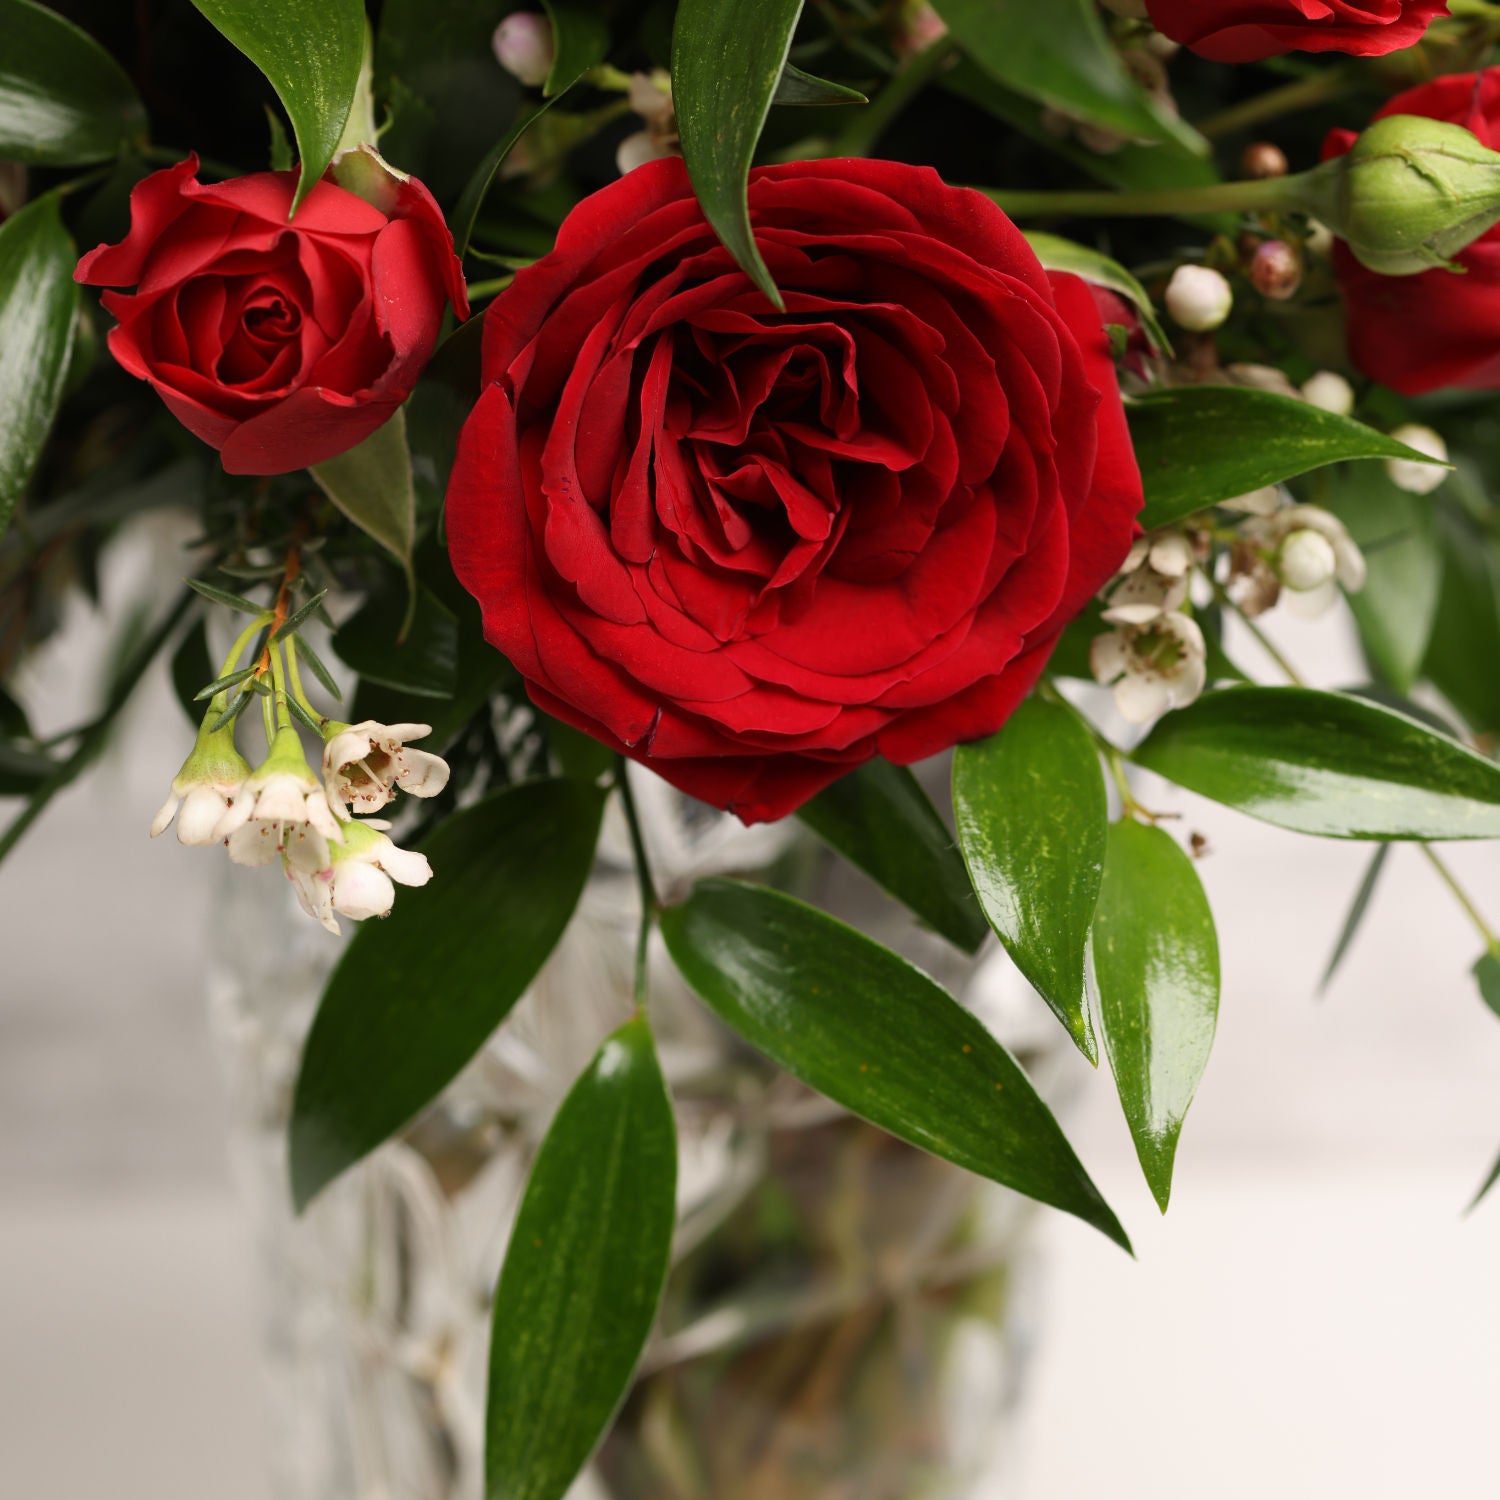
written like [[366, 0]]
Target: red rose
[[752, 549], [1437, 328], [278, 343], [1237, 31]]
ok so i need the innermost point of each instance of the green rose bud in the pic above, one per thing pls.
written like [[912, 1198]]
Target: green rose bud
[[1409, 194]]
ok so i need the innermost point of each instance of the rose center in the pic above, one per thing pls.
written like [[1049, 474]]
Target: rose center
[[268, 316]]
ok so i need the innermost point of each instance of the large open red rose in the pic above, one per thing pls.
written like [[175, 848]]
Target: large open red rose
[[1237, 31], [754, 548], [1437, 328], [278, 343]]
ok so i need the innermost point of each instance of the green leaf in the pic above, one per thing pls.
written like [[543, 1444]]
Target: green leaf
[[222, 596], [311, 51], [880, 820], [1485, 1186], [471, 200], [583, 1272], [1198, 445], [1465, 642], [1487, 977], [580, 42], [1032, 816], [24, 772], [424, 663], [415, 996], [796, 87], [876, 1035], [309, 658], [64, 101], [1357, 910], [1058, 254], [1156, 963], [229, 680], [725, 71], [371, 483], [1327, 764], [38, 307], [1059, 54], [1397, 531], [300, 616]]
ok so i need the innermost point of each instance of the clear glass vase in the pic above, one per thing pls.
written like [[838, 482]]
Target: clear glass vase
[[840, 1322]]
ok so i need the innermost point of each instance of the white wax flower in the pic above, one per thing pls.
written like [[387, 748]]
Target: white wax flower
[[209, 779], [1265, 501], [1329, 391], [281, 809], [524, 47], [1305, 550], [1198, 298], [1154, 667], [1306, 560], [1419, 479], [357, 882], [364, 763], [1153, 579]]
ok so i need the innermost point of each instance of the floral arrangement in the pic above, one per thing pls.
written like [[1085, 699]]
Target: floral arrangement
[[557, 389]]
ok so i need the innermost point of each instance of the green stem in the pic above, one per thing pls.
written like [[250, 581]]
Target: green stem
[[1254, 196], [489, 288], [243, 640], [1300, 94], [294, 677], [649, 902], [278, 684], [870, 123]]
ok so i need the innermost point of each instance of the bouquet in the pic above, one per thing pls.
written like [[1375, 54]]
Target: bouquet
[[778, 398]]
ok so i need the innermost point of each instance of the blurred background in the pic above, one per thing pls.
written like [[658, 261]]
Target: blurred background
[[1314, 1317]]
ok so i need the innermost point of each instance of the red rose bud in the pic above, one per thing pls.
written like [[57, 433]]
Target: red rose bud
[[280, 343], [752, 549], [1237, 31], [1276, 270]]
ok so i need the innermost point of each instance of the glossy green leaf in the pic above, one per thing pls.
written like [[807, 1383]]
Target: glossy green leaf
[[38, 307], [1397, 532], [725, 71], [371, 483], [311, 51], [416, 995], [1487, 977], [424, 662], [796, 87], [1200, 444], [1058, 254], [1357, 909], [880, 820], [1326, 763], [580, 40], [1032, 815], [1465, 642], [583, 1272], [1059, 54], [1156, 964], [64, 101], [876, 1035]]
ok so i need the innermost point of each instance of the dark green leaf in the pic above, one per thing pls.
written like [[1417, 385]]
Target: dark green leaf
[[299, 616], [191, 668], [1485, 1186], [38, 308], [14, 724], [1356, 915], [415, 996], [1487, 977], [64, 101], [371, 483], [1465, 644], [1198, 445], [577, 754], [311, 51], [237, 705], [1327, 764], [425, 663], [1032, 816], [23, 771], [880, 820], [220, 683], [796, 87], [1060, 55], [583, 1272], [861, 1025], [472, 198], [1156, 962], [725, 69], [309, 658], [1058, 254], [1397, 531], [230, 601], [280, 151], [580, 41]]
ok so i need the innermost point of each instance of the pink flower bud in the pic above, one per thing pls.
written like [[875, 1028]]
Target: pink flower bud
[[1276, 270], [523, 44]]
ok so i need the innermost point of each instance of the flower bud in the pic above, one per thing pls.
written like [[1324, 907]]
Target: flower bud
[[1409, 194], [1198, 298], [523, 44], [1263, 159], [1329, 391], [1276, 270], [1306, 561], [1407, 473]]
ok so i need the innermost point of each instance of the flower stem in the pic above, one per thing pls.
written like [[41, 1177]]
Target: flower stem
[[870, 123], [294, 678], [1301, 93], [278, 682], [1255, 196], [649, 903], [242, 641]]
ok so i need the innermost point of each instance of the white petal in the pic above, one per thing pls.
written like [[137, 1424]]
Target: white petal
[[1171, 554], [316, 811], [1141, 698], [1108, 656], [1308, 604], [1139, 549], [202, 809], [165, 813], [422, 774], [636, 150], [253, 843], [235, 816], [405, 865], [1262, 502], [280, 798], [401, 733], [304, 847], [361, 891]]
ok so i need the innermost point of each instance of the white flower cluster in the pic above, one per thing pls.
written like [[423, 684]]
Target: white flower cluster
[[284, 810]]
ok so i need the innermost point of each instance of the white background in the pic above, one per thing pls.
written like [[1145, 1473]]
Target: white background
[[1313, 1318]]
